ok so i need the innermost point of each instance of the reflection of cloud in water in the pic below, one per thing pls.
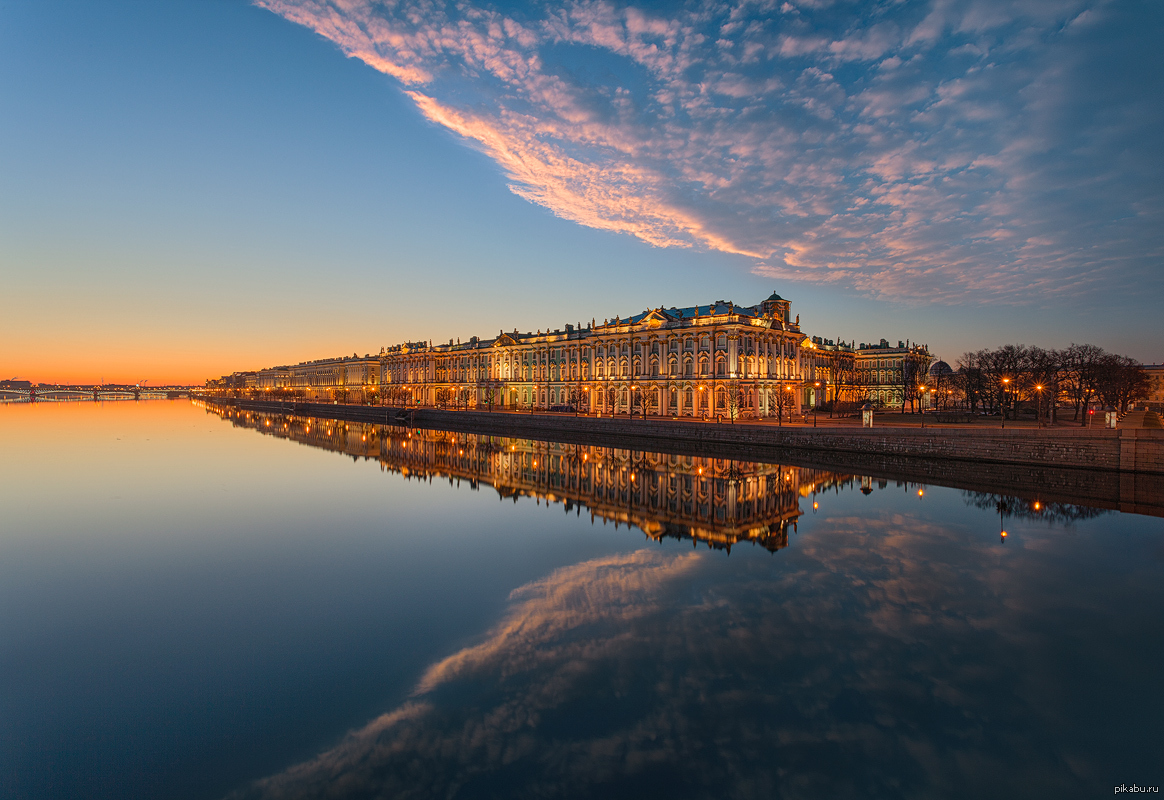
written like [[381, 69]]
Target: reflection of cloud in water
[[883, 657], [538, 631]]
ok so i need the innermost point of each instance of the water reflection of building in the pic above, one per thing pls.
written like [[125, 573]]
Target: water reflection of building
[[717, 501]]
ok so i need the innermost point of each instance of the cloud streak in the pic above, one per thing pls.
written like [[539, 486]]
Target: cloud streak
[[947, 151], [884, 655]]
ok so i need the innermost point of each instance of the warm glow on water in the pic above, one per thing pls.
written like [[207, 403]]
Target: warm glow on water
[[192, 602]]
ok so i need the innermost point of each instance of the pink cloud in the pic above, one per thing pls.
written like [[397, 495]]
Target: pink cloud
[[737, 135]]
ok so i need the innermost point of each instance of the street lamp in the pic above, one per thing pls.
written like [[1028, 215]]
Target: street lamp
[[701, 400]]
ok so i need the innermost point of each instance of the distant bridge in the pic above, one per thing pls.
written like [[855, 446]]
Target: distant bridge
[[66, 393]]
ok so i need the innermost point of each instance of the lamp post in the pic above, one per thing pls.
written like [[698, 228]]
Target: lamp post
[[921, 403], [703, 407], [1039, 404]]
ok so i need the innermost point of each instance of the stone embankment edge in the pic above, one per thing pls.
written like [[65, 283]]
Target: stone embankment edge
[[1134, 451], [1138, 492]]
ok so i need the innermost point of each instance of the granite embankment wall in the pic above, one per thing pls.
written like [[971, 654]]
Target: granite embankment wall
[[1112, 468]]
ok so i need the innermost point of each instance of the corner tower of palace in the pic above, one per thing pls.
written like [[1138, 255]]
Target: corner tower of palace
[[701, 360]]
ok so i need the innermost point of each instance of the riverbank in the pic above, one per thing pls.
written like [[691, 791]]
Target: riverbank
[[1080, 465], [1134, 451]]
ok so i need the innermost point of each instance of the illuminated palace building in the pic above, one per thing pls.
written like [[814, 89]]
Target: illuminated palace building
[[702, 360], [715, 501]]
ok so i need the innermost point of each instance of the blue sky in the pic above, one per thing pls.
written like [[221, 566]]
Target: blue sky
[[191, 188]]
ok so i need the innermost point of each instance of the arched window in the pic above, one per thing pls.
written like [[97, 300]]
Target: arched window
[[688, 368], [654, 368], [720, 367]]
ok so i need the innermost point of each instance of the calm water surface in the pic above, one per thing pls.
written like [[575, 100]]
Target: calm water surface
[[198, 605]]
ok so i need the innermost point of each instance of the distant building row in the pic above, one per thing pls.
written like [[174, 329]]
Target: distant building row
[[702, 360]]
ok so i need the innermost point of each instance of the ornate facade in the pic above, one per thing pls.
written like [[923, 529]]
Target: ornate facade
[[715, 359], [709, 360], [696, 361], [891, 376]]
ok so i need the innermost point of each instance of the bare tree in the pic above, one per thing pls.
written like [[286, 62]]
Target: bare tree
[[1040, 381], [638, 399], [971, 379], [914, 372], [782, 400], [1081, 364], [1120, 381], [736, 402]]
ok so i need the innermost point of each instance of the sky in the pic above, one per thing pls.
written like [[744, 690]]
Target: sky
[[195, 187]]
